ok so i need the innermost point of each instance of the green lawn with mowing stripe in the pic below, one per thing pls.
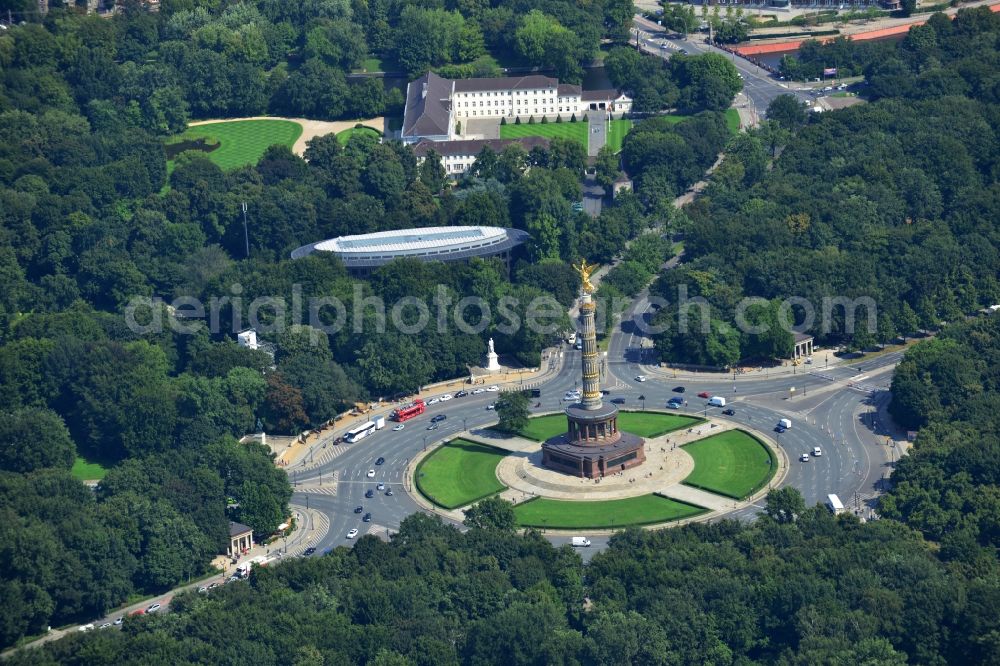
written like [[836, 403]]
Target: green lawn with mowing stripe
[[576, 131], [87, 471], [617, 131], [459, 473], [345, 136], [243, 142], [644, 424], [602, 514], [732, 463]]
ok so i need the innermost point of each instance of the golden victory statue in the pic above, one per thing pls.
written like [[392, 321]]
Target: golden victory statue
[[585, 270]]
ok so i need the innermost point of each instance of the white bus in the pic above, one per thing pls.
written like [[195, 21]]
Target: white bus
[[363, 430], [834, 504]]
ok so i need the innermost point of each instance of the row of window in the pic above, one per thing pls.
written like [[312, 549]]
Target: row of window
[[505, 92]]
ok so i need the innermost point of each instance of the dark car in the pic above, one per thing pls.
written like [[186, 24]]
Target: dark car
[[618, 401], [679, 389], [704, 394], [309, 551], [779, 429], [358, 509], [369, 493], [728, 412], [367, 518], [461, 394], [438, 418], [380, 460], [388, 492]]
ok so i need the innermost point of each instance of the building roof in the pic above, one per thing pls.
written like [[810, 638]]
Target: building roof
[[473, 146], [600, 95], [568, 90], [801, 337], [530, 82], [427, 110], [426, 243], [236, 529]]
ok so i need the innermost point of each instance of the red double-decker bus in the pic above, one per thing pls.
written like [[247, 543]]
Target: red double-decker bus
[[415, 408]]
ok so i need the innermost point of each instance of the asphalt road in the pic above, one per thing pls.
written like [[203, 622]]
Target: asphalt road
[[759, 85]]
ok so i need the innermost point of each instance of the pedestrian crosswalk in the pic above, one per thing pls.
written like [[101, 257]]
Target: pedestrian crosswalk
[[322, 456], [328, 487]]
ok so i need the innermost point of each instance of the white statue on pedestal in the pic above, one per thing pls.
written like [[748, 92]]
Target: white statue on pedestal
[[492, 362]]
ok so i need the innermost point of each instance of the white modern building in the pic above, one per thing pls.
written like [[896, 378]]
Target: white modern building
[[435, 106], [364, 253]]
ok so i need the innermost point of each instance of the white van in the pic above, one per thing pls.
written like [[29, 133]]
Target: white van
[[581, 542], [784, 423], [717, 401]]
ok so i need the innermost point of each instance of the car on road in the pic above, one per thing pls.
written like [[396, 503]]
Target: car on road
[[380, 461], [106, 625], [439, 418], [728, 412], [704, 394], [682, 51], [369, 493], [118, 621], [154, 608], [804, 457], [492, 389], [359, 509], [492, 405], [817, 452], [203, 588], [309, 551], [679, 389], [85, 627], [433, 426], [779, 429], [433, 401], [371, 474], [618, 401], [446, 397], [674, 405], [380, 486], [353, 532], [398, 427], [572, 395], [478, 391], [388, 492], [640, 378], [367, 518], [213, 586], [461, 394]]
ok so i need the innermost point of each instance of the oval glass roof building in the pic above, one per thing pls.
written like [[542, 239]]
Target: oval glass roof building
[[364, 253]]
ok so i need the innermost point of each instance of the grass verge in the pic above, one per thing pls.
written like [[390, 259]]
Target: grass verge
[[602, 514], [733, 463], [644, 424], [87, 471], [459, 473]]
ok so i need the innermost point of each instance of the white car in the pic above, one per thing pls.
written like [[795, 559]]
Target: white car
[[640, 378], [153, 608], [492, 405], [804, 457], [572, 395], [817, 452], [433, 401], [371, 474], [106, 625], [119, 621], [85, 627], [478, 391], [397, 427], [446, 397], [380, 486], [353, 532], [493, 389]]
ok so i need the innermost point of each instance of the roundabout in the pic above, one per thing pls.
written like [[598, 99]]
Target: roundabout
[[702, 472]]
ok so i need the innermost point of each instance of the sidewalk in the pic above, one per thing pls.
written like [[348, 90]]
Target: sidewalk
[[754, 373]]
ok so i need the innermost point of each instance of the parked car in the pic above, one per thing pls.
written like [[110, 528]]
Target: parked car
[[359, 509], [371, 474], [704, 394], [446, 397], [433, 401], [153, 608], [380, 486], [380, 461], [106, 625], [461, 394], [85, 627], [118, 621], [203, 588], [369, 493], [493, 389], [388, 492], [478, 391], [353, 532], [367, 518]]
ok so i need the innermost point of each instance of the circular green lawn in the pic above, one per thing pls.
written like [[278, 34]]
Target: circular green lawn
[[643, 424], [733, 463], [602, 514], [459, 473]]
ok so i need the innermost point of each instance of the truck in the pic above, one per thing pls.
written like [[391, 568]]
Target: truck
[[571, 338], [379, 422], [244, 568], [784, 423], [581, 542], [717, 401], [834, 504]]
